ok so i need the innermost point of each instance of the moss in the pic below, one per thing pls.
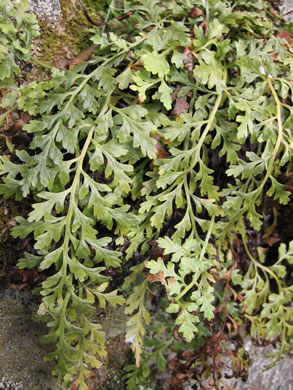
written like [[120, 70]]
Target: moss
[[59, 43]]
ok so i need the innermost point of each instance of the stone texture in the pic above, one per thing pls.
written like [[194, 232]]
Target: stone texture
[[287, 7], [279, 377], [47, 9], [21, 354]]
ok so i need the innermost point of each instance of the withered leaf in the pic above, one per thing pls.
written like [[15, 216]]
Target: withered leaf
[[174, 94], [84, 55], [161, 153], [159, 277], [14, 128], [195, 12], [181, 106], [285, 35], [188, 63]]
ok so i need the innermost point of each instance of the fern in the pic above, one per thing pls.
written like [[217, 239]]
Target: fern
[[126, 148]]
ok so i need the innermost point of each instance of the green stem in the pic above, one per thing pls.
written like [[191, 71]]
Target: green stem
[[265, 269], [202, 253], [209, 124], [108, 14], [189, 207], [279, 138], [52, 138], [9, 145], [75, 183], [205, 45], [95, 71], [42, 64], [286, 106], [76, 179], [207, 11], [63, 315], [8, 111], [207, 128]]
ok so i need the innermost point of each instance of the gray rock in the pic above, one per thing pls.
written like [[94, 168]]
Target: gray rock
[[286, 8], [21, 354], [279, 377], [47, 9]]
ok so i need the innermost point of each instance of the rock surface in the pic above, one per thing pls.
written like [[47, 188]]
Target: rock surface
[[279, 377], [286, 8], [47, 9], [22, 365]]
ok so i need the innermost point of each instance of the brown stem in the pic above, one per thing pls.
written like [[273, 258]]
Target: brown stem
[[102, 24]]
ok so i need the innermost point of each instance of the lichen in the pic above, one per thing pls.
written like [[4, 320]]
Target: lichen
[[8, 384], [60, 42]]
